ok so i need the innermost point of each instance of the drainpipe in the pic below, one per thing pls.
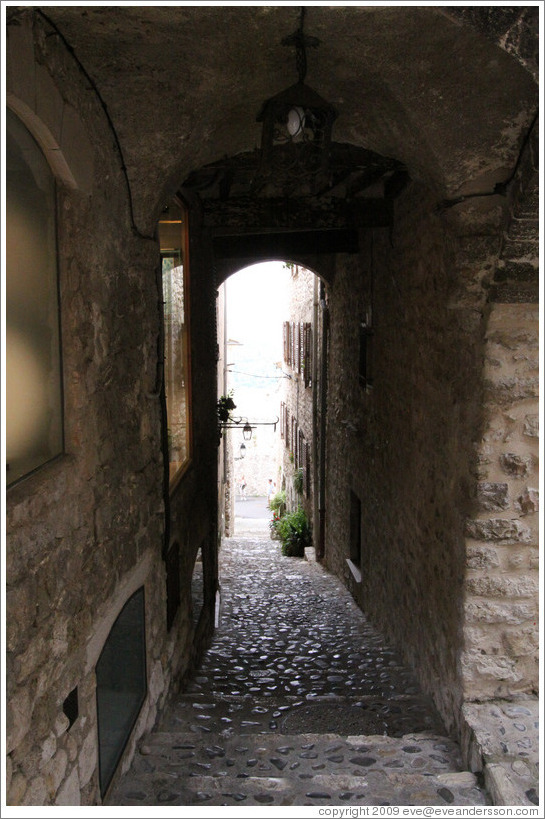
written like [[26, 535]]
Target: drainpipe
[[315, 389], [320, 552]]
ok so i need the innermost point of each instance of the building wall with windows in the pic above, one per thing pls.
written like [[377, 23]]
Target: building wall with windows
[[93, 520], [296, 406]]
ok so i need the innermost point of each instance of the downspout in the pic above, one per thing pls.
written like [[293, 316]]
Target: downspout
[[323, 409], [315, 426]]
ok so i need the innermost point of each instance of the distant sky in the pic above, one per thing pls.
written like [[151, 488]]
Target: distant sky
[[257, 305], [257, 300]]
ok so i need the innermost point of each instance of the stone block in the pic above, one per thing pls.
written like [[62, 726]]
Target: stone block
[[486, 611], [478, 637], [18, 718], [519, 466], [71, 748], [505, 730], [475, 665], [500, 586], [531, 426], [520, 250], [17, 789], [36, 793], [69, 792], [49, 747], [522, 642], [9, 771], [517, 271], [528, 502], [156, 682], [514, 293], [62, 723], [33, 659], [501, 786], [87, 760], [496, 529], [523, 229], [493, 496], [517, 558], [54, 772], [482, 557], [510, 390]]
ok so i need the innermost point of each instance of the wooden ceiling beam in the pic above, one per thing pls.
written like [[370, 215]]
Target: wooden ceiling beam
[[251, 215], [285, 245]]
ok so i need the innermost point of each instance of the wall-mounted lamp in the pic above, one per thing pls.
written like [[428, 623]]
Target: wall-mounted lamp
[[242, 451], [246, 426]]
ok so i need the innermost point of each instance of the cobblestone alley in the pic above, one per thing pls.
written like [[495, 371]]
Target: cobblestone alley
[[298, 702]]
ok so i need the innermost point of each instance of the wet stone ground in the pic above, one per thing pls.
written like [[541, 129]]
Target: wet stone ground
[[299, 701]]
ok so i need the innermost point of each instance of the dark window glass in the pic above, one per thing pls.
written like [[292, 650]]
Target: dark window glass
[[121, 685], [34, 433]]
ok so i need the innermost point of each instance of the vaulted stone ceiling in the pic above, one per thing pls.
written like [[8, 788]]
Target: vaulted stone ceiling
[[448, 93]]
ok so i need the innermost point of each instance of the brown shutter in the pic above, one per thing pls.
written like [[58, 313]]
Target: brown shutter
[[307, 354]]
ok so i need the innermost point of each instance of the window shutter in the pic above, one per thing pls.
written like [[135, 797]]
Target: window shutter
[[307, 473], [307, 354]]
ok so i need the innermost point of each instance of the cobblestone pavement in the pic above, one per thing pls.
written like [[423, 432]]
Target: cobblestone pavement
[[299, 701]]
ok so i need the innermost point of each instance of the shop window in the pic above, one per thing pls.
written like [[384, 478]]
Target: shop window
[[173, 240], [34, 424], [121, 685]]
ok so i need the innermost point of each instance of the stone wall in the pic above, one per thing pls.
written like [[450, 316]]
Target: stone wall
[[404, 446], [502, 638], [297, 396], [502, 586], [89, 529], [441, 451]]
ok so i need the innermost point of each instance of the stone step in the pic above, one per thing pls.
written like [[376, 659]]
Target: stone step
[[370, 788], [298, 756], [394, 716]]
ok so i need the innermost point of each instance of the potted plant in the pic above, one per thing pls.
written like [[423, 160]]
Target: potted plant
[[225, 405]]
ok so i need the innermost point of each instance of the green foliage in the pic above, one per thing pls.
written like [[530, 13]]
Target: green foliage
[[225, 405], [298, 481], [278, 501], [294, 531]]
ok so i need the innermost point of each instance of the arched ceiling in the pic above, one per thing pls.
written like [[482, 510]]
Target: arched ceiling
[[428, 86]]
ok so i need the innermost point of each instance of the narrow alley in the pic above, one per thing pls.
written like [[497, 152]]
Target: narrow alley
[[298, 701], [384, 159]]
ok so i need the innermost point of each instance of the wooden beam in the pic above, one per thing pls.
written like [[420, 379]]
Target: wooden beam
[[250, 215], [286, 244]]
